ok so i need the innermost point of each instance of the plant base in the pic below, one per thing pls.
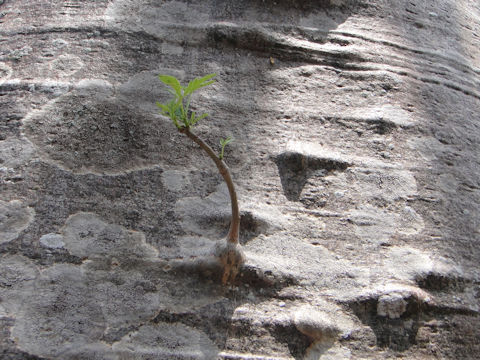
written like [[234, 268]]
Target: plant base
[[231, 257]]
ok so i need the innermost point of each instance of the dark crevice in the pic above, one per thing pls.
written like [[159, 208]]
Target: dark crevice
[[296, 168], [267, 282], [442, 310], [251, 225], [213, 319], [18, 355], [217, 321], [380, 125], [253, 279], [437, 282], [296, 341], [398, 334]]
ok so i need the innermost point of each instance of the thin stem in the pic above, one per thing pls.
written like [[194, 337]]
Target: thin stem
[[234, 231]]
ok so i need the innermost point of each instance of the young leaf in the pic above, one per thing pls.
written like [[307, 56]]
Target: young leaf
[[178, 108], [171, 110], [198, 118], [223, 143], [192, 118], [162, 106], [173, 83], [206, 78], [198, 83], [226, 141]]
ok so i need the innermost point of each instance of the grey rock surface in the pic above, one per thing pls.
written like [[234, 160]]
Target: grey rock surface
[[14, 218], [356, 129]]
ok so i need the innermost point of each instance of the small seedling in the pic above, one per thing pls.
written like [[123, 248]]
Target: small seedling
[[178, 110], [223, 143]]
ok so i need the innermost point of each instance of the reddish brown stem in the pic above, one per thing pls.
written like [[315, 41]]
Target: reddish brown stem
[[234, 231]]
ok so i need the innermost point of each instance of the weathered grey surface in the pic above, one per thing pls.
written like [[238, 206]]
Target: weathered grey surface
[[356, 158]]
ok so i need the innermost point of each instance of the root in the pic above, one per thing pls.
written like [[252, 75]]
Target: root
[[231, 258]]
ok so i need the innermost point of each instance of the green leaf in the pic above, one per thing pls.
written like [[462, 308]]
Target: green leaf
[[172, 110], [176, 109], [198, 118], [226, 141], [207, 77], [162, 106], [165, 109], [198, 83], [192, 118], [172, 106], [173, 83]]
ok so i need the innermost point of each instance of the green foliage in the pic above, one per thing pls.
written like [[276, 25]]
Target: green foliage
[[223, 143], [178, 108]]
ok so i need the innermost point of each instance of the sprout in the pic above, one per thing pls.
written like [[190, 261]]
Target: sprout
[[230, 256]]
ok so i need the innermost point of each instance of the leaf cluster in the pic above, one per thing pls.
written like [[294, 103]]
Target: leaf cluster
[[177, 109]]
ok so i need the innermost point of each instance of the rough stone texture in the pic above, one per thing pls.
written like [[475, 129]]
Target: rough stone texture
[[14, 218], [356, 129]]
